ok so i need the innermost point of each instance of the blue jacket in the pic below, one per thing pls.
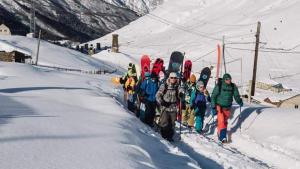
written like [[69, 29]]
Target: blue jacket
[[198, 101], [149, 88]]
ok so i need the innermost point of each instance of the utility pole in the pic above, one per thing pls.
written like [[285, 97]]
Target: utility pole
[[38, 48], [32, 18], [224, 54], [255, 60]]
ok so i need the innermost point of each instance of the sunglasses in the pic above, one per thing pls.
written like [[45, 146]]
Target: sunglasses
[[227, 79], [173, 77]]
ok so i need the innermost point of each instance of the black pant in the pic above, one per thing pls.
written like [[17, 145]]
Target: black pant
[[150, 113], [167, 124]]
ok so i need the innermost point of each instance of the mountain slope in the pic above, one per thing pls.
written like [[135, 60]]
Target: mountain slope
[[196, 27], [66, 19]]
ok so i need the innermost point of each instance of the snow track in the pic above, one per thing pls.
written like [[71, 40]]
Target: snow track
[[204, 150]]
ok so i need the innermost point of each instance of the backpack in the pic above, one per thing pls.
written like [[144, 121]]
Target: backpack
[[166, 89], [220, 81]]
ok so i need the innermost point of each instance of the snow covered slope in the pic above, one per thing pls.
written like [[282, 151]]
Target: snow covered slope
[[263, 137], [197, 26], [51, 119], [53, 55]]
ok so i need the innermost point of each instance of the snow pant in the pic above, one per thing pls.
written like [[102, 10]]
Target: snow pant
[[188, 117], [131, 102], [142, 111], [167, 124], [200, 114], [223, 116], [150, 113]]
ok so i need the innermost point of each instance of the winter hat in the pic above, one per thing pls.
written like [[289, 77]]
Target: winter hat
[[193, 78], [226, 76], [173, 74], [199, 84], [130, 65], [147, 74]]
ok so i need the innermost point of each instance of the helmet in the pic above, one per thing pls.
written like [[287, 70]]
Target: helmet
[[193, 78]]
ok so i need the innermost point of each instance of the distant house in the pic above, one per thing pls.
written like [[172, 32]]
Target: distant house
[[11, 53], [4, 30], [292, 102]]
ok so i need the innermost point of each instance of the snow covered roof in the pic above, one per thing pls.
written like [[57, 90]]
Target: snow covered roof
[[8, 47]]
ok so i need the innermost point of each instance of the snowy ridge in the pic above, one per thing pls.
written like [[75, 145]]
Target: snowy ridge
[[139, 6]]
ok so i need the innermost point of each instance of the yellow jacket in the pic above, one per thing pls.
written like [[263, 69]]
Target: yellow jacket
[[129, 85]]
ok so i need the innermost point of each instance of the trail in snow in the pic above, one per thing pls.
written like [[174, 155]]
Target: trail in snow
[[204, 150]]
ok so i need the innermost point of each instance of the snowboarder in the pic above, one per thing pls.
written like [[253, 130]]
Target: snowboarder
[[199, 97], [149, 88], [167, 97], [221, 102], [188, 114]]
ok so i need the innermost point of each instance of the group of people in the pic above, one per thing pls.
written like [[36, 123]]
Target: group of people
[[161, 100]]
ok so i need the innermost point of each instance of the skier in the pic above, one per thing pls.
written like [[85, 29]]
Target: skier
[[124, 78], [130, 90], [198, 100], [188, 114], [221, 102], [149, 88], [167, 97]]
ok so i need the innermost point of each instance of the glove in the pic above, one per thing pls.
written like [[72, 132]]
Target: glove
[[241, 104], [213, 111]]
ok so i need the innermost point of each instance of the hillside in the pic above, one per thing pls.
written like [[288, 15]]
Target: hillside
[[196, 27], [67, 19]]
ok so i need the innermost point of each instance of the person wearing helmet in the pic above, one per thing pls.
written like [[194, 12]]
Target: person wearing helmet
[[188, 114], [222, 98], [167, 97], [199, 98]]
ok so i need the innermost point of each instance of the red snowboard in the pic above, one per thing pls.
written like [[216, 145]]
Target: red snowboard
[[187, 70], [145, 65], [157, 66]]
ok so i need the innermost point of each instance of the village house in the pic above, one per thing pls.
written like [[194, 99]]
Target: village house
[[4, 30]]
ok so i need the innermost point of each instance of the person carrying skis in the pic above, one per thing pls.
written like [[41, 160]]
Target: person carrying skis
[[130, 90], [188, 114], [167, 97], [198, 100], [149, 88], [221, 102]]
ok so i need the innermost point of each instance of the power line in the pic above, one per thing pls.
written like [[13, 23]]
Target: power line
[[205, 55], [267, 51], [180, 27]]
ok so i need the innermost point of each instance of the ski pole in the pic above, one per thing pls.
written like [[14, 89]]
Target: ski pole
[[240, 119]]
